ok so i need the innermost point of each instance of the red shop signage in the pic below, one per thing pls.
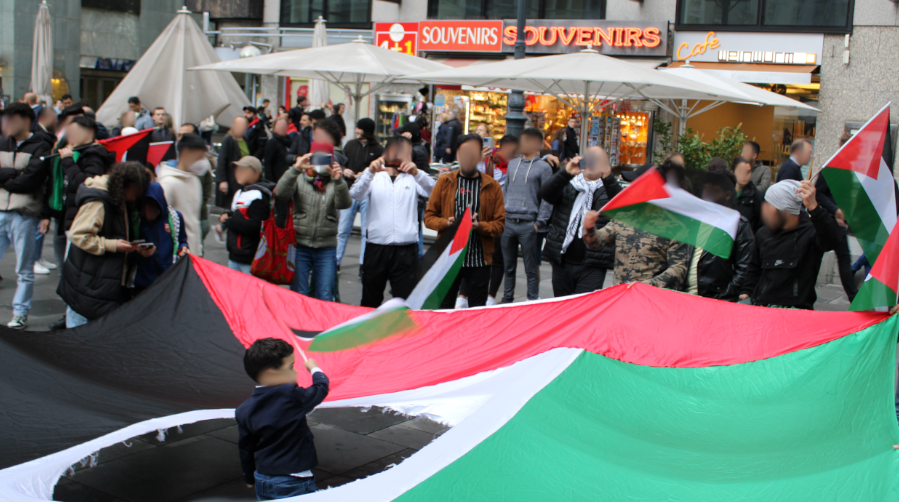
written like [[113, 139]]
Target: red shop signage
[[400, 37], [542, 36], [460, 36]]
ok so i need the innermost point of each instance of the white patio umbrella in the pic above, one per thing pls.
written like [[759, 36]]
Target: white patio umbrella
[[42, 56], [351, 64], [160, 78], [319, 90], [757, 95], [586, 80]]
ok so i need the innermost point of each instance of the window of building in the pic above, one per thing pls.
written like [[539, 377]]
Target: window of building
[[819, 16], [129, 6], [507, 9], [338, 13]]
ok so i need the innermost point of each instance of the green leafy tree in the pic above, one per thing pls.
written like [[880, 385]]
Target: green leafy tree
[[665, 139], [697, 153]]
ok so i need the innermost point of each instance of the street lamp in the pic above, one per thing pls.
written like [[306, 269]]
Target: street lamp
[[515, 117]]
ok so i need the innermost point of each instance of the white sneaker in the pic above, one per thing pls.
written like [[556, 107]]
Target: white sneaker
[[46, 264], [40, 269], [461, 303], [491, 301], [18, 322]]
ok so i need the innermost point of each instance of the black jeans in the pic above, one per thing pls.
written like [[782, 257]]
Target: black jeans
[[476, 280], [844, 263], [496, 271], [397, 264], [575, 278]]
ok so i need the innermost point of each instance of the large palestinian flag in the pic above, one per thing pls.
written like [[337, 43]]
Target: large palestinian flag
[[630, 393], [862, 184], [654, 206]]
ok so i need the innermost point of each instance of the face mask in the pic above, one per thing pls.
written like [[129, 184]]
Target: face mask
[[199, 167]]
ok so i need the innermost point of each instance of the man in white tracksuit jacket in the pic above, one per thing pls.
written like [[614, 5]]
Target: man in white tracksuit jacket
[[391, 249]]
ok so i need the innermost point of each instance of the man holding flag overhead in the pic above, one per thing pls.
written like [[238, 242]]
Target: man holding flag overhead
[[789, 248]]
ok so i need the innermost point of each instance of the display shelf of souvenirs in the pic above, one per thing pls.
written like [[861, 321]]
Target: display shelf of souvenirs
[[634, 137]]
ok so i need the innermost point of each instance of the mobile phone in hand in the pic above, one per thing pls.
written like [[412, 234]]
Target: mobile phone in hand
[[488, 141], [139, 241], [146, 244]]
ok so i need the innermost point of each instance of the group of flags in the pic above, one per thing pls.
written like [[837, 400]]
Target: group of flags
[[138, 147], [858, 176], [860, 181]]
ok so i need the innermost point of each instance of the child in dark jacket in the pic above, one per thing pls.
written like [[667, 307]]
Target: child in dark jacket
[[250, 207], [163, 227], [276, 449]]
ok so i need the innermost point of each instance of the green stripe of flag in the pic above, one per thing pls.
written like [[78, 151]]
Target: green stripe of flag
[[433, 301], [812, 425], [873, 295], [862, 217], [367, 330], [675, 226]]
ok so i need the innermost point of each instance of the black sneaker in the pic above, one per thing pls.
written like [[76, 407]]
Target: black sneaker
[[58, 325]]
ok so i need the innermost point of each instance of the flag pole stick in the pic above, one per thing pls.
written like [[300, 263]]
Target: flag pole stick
[[281, 323]]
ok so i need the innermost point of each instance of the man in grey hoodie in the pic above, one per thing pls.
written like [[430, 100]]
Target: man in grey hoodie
[[526, 212]]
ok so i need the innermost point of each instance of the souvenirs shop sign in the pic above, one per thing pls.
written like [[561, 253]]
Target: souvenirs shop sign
[[545, 36]]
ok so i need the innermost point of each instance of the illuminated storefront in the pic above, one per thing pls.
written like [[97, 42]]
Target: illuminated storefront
[[623, 129], [785, 63]]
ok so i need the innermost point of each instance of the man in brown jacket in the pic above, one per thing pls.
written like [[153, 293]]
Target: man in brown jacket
[[455, 192]]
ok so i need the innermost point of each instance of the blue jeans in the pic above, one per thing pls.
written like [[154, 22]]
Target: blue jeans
[[240, 267], [38, 245], [421, 234], [345, 228], [321, 262], [74, 319], [281, 487], [18, 229]]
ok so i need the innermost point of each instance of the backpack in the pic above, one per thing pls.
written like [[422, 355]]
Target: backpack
[[275, 259]]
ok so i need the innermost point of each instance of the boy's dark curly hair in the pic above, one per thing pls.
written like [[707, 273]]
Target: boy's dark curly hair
[[126, 174]]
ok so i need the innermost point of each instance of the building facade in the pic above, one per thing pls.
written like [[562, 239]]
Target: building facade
[[95, 43]]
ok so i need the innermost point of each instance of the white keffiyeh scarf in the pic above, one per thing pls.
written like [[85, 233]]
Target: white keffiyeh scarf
[[584, 201]]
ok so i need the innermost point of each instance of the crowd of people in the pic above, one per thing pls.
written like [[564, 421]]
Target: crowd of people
[[119, 226]]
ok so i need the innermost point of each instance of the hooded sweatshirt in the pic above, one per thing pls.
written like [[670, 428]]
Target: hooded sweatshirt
[[163, 232], [184, 192], [524, 177], [93, 160]]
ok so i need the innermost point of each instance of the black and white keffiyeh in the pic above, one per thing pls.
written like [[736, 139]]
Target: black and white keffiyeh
[[584, 201]]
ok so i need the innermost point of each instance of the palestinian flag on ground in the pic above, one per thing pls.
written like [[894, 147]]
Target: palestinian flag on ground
[[437, 272], [629, 393], [862, 184], [881, 285], [137, 147], [653, 206]]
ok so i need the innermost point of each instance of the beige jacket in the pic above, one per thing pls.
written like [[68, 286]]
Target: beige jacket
[[89, 221], [184, 192]]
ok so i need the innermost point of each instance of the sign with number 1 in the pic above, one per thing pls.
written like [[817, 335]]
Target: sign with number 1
[[400, 37]]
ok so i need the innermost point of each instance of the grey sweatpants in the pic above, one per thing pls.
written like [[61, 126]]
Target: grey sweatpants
[[525, 234]]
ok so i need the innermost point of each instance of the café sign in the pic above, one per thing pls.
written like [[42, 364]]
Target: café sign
[[739, 47]]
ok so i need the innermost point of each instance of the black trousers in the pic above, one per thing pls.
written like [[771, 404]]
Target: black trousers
[[496, 271], [397, 264], [844, 264], [476, 278], [574, 278]]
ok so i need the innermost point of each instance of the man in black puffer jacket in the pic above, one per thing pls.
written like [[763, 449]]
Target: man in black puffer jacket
[[577, 268], [79, 164], [712, 276], [96, 268]]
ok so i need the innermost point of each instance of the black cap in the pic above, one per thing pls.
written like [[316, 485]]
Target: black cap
[[630, 176], [249, 109]]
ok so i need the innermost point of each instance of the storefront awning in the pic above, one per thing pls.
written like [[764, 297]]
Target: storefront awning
[[756, 73]]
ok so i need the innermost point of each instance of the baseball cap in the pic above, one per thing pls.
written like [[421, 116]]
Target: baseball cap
[[249, 161]]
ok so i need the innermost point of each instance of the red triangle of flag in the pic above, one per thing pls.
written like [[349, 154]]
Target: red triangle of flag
[[159, 152], [862, 153], [649, 186], [886, 268], [460, 239], [121, 144]]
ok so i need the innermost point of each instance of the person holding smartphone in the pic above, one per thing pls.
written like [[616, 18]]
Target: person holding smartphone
[[393, 184], [319, 192], [573, 191]]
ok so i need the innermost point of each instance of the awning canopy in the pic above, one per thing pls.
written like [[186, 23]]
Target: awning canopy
[[756, 73]]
